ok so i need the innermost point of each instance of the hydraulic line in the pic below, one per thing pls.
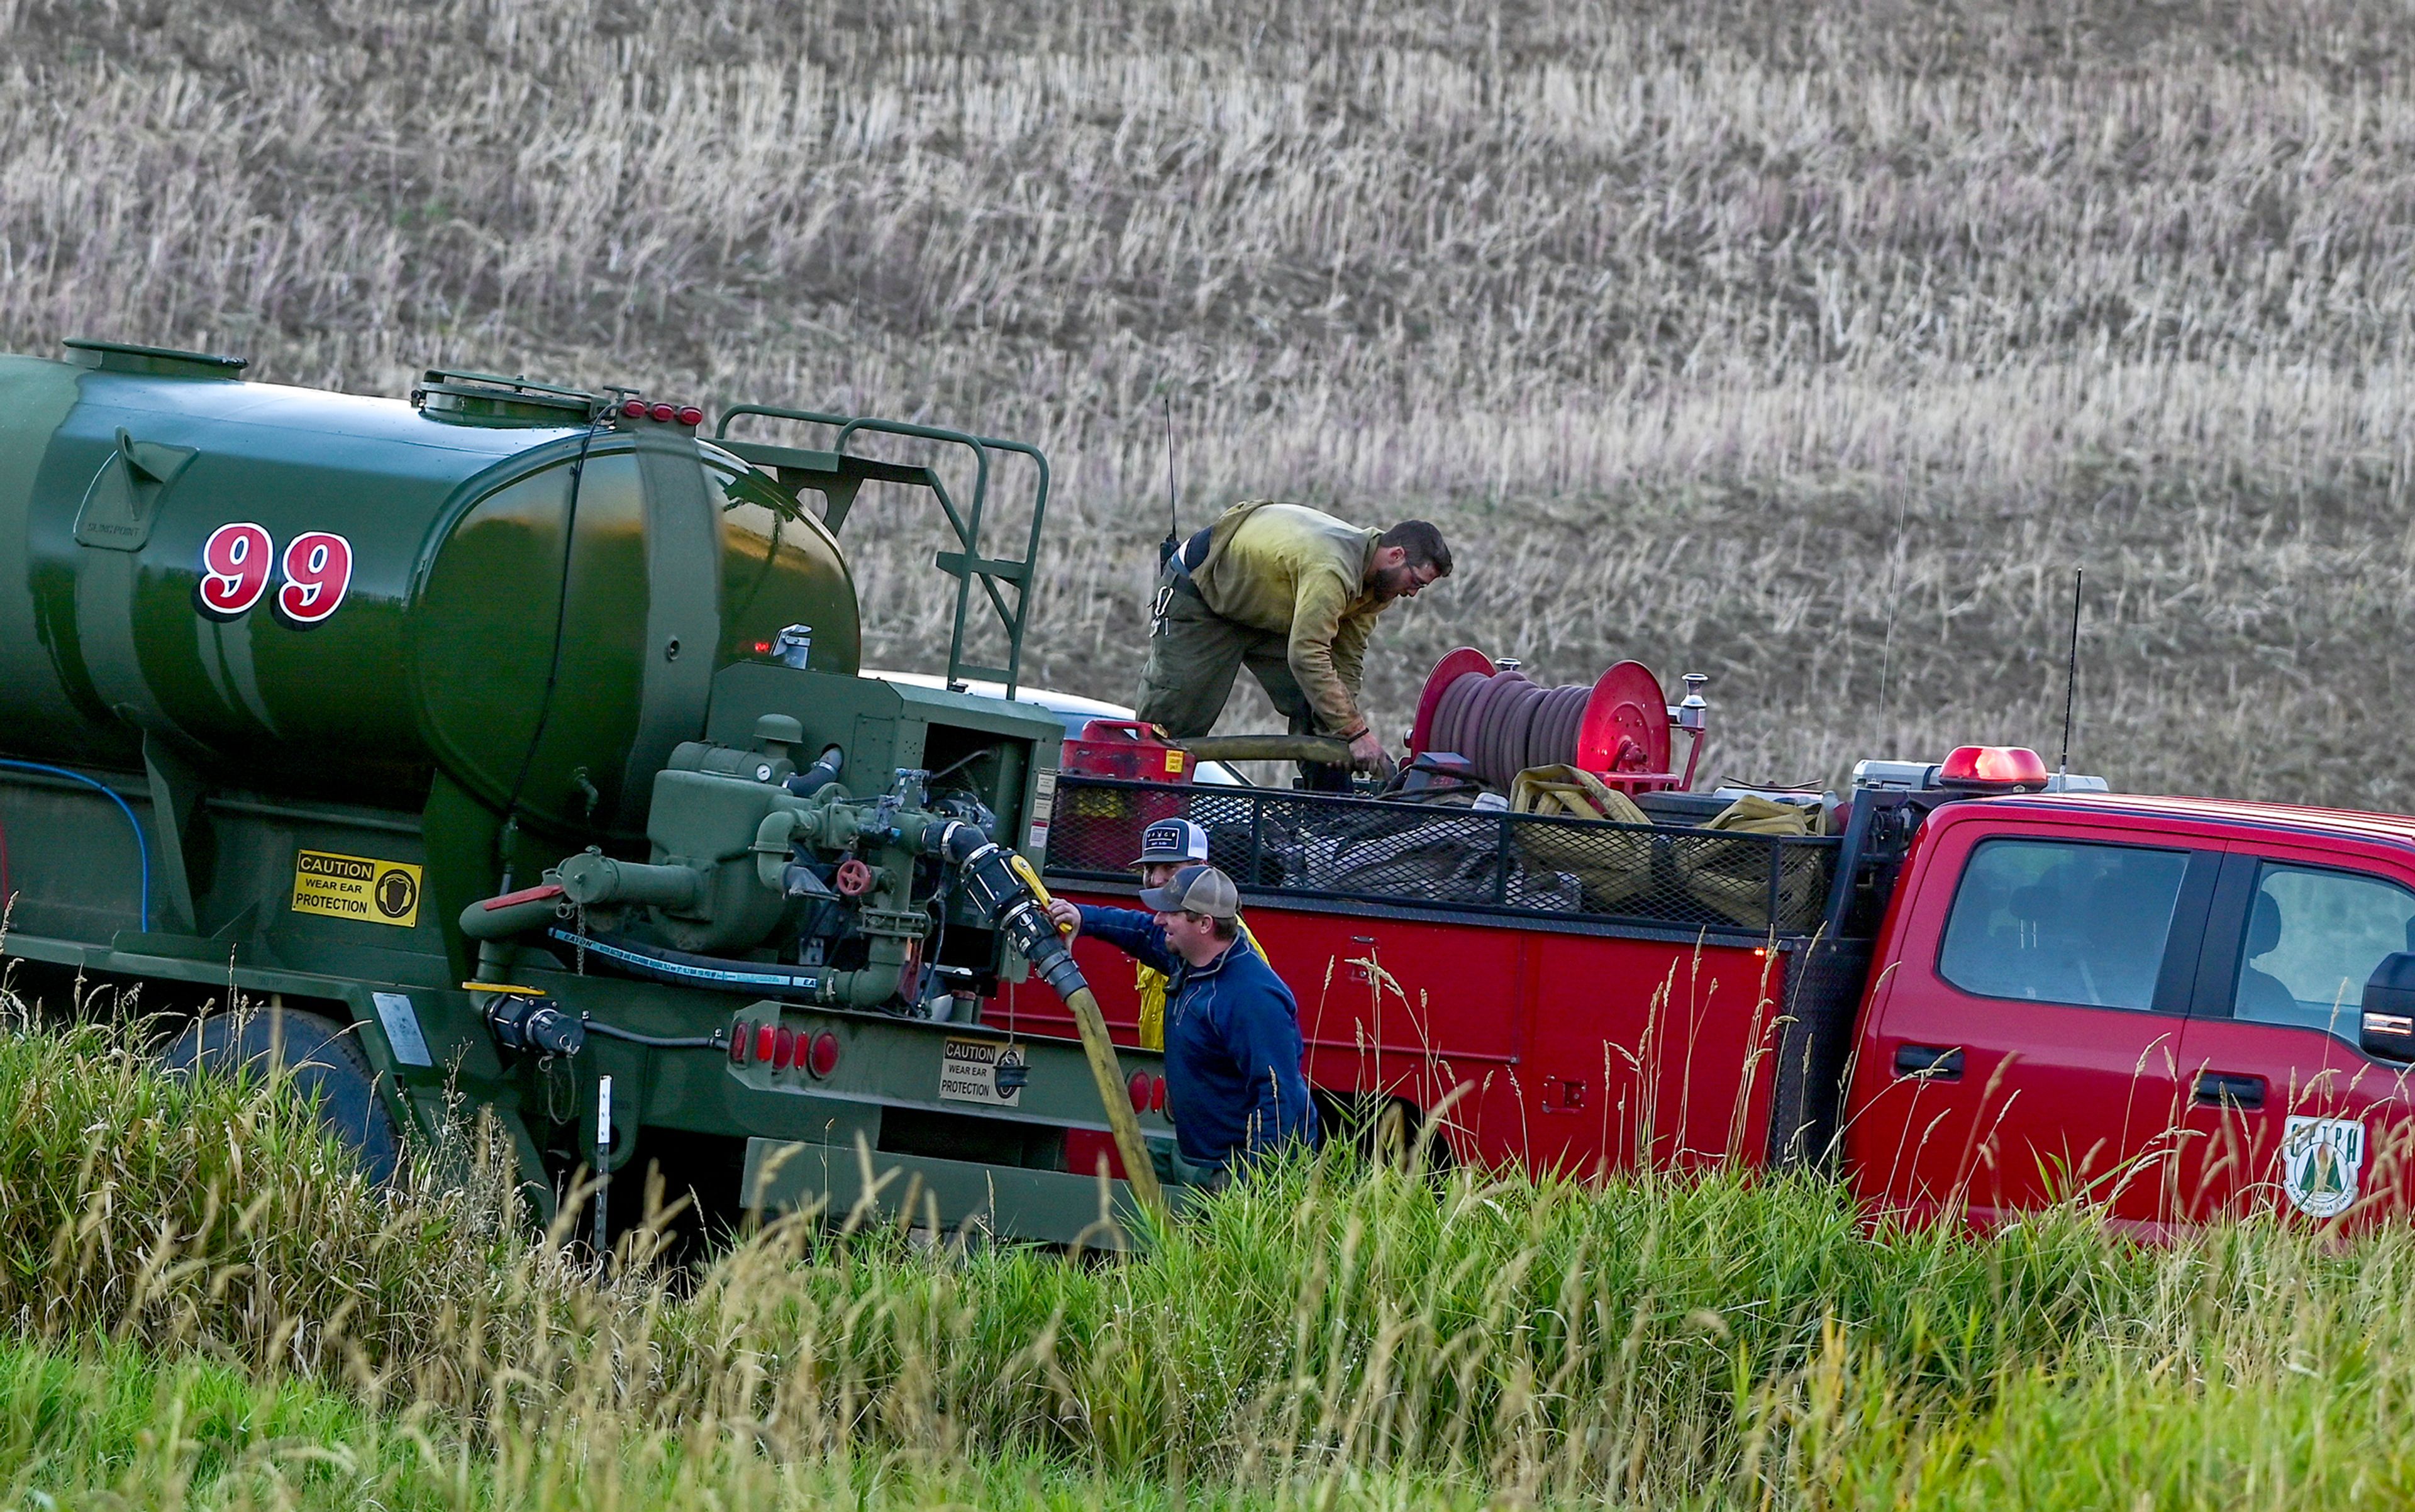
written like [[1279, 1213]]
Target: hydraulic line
[[142, 847], [657, 1041], [595, 424], [713, 973], [823, 772]]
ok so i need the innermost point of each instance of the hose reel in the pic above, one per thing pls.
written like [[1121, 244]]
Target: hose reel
[[1503, 721]]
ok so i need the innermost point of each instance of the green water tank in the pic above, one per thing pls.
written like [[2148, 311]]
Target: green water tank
[[319, 594]]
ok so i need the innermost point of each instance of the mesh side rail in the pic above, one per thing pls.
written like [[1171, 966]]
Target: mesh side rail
[[1353, 849]]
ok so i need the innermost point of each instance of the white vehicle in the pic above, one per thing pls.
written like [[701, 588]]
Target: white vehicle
[[1070, 709]]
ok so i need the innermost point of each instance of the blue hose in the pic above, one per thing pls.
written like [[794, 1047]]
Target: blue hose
[[142, 847]]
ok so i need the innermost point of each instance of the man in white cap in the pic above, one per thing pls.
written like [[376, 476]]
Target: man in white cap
[[1233, 1048], [1165, 848]]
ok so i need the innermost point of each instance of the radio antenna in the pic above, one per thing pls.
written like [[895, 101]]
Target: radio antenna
[[1895, 574], [2071, 672], [1173, 516]]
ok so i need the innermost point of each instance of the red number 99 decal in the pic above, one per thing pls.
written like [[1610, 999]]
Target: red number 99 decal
[[317, 569], [235, 570]]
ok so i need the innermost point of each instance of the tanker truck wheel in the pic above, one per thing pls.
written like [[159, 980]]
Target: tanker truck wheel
[[1384, 1129], [326, 1066]]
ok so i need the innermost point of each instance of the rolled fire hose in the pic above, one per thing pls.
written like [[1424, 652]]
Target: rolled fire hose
[[1321, 750], [1495, 716]]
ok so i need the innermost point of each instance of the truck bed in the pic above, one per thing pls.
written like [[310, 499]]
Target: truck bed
[[1463, 862], [1569, 994]]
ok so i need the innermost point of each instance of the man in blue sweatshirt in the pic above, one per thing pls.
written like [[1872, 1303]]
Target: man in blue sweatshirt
[[1233, 1082]]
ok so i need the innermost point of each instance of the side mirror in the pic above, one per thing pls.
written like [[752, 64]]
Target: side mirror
[[2389, 1030]]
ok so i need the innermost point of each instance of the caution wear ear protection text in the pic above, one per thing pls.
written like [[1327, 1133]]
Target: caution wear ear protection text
[[357, 887]]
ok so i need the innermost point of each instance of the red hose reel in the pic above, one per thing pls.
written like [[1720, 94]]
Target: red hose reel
[[1500, 719]]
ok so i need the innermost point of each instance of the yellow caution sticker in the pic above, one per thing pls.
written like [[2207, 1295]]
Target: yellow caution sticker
[[357, 887], [1174, 762]]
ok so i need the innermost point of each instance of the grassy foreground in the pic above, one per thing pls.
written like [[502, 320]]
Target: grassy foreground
[[205, 1309]]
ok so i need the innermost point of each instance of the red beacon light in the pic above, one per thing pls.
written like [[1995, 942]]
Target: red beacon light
[[633, 409], [689, 415], [663, 411], [1993, 769]]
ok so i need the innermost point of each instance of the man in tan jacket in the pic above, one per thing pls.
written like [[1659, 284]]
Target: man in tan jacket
[[1292, 593]]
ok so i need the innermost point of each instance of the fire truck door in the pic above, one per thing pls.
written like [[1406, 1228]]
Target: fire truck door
[[2284, 1112], [2027, 1038]]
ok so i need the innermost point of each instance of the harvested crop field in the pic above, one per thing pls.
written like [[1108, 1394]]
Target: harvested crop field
[[1810, 347]]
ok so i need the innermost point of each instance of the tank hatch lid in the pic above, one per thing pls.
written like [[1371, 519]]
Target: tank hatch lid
[[157, 362], [491, 399]]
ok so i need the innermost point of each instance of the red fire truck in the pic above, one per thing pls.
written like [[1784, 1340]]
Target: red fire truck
[[1971, 995]]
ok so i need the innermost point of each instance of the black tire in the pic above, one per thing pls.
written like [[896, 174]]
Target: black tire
[[325, 1062], [1382, 1128]]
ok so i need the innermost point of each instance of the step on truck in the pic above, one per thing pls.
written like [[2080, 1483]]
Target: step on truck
[[505, 749], [1973, 987]]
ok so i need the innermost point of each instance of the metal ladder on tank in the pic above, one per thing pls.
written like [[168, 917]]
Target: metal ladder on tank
[[838, 473]]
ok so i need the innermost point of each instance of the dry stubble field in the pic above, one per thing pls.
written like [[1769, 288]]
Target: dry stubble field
[[1807, 345]]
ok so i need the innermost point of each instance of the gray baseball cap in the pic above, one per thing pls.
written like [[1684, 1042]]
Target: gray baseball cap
[[1195, 890], [1171, 840]]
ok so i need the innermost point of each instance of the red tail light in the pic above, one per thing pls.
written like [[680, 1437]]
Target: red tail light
[[634, 408], [1137, 1090], [738, 1037], [1157, 1094], [823, 1058], [784, 1053], [690, 415], [764, 1040], [663, 411]]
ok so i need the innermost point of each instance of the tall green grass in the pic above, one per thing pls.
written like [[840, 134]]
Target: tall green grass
[[1334, 1333]]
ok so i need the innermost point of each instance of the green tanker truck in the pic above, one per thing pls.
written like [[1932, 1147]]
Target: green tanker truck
[[506, 748]]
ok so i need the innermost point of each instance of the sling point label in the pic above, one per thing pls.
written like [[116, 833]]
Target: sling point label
[[357, 887]]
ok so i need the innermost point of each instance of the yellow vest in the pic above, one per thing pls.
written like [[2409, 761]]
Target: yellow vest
[[1152, 983]]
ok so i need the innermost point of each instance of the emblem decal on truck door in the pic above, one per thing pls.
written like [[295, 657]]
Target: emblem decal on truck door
[[2321, 1159]]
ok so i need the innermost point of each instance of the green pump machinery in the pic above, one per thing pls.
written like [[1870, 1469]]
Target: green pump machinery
[[506, 748]]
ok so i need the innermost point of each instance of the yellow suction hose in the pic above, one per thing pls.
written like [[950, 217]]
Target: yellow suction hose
[[1104, 1069]]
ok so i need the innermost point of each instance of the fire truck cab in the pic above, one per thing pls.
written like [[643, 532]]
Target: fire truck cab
[[2154, 1003]]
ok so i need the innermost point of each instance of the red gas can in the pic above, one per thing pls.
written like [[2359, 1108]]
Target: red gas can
[[1099, 828]]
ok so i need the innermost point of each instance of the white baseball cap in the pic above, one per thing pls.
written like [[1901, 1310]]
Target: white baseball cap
[[1174, 841]]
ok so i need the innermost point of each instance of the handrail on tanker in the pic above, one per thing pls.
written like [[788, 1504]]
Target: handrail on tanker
[[969, 563]]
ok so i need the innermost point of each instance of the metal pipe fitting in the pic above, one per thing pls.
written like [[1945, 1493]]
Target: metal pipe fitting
[[593, 879]]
